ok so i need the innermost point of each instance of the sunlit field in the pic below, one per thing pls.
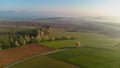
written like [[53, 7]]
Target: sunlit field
[[59, 34], [97, 50], [44, 62]]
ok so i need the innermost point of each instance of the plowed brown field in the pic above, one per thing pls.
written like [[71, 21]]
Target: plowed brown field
[[15, 54]]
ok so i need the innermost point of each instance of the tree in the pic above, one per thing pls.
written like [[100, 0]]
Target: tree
[[78, 44], [27, 38], [25, 42], [47, 29], [11, 41], [32, 39], [42, 33], [45, 38], [38, 39], [5, 43], [22, 40], [17, 44]]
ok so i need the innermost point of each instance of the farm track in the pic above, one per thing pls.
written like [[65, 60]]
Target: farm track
[[34, 57], [16, 54], [44, 51]]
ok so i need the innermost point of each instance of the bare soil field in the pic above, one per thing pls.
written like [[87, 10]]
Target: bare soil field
[[15, 54]]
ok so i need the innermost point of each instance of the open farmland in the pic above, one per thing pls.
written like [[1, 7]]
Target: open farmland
[[97, 50], [15, 54], [86, 39], [43, 62], [59, 34], [90, 57]]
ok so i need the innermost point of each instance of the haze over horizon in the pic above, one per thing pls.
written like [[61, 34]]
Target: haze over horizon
[[64, 8]]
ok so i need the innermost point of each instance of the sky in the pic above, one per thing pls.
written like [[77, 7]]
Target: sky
[[75, 8]]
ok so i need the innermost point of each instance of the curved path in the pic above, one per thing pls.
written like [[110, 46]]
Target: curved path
[[13, 55], [8, 66]]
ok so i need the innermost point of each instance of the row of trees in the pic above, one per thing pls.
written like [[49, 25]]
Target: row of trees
[[30, 37]]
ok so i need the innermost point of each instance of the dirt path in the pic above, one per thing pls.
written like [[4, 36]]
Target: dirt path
[[8, 66], [16, 54]]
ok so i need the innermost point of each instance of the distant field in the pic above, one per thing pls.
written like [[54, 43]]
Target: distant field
[[98, 50], [43, 62], [15, 54], [86, 39], [90, 57]]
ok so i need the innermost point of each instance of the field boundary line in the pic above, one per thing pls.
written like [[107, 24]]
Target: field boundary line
[[8, 66]]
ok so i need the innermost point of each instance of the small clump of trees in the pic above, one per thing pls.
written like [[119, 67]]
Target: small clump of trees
[[25, 37]]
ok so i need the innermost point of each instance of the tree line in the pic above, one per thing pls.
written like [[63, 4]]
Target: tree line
[[25, 37]]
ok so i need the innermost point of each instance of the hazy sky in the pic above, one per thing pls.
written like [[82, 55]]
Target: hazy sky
[[63, 7]]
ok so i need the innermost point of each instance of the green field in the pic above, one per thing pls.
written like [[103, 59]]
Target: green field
[[90, 57], [97, 51], [43, 62], [86, 39], [100, 50]]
